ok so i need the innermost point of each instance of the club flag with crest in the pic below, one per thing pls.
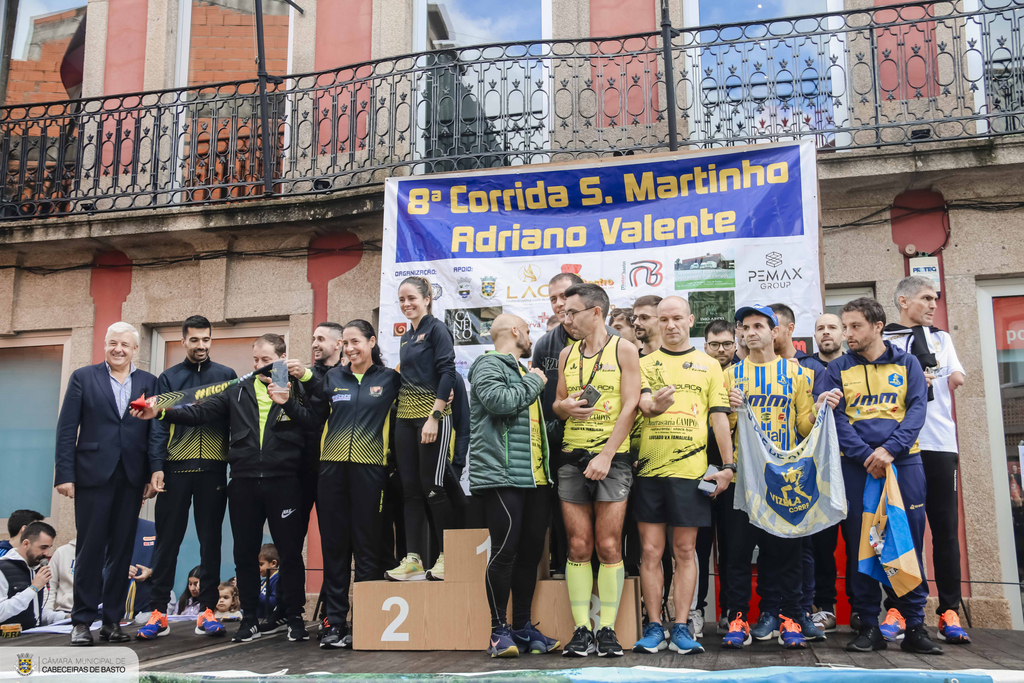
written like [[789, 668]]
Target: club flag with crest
[[790, 493], [886, 546]]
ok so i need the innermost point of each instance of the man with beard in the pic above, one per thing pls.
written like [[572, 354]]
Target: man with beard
[[24, 579], [645, 323]]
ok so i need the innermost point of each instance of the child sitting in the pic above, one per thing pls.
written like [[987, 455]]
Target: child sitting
[[269, 562], [188, 604], [228, 606]]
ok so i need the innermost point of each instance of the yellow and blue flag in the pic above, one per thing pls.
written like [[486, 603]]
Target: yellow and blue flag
[[886, 546]]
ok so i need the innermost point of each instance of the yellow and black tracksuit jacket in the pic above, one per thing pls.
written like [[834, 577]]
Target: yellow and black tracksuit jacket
[[428, 369], [352, 414], [185, 448]]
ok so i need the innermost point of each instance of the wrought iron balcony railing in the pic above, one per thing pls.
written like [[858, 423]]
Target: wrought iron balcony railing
[[881, 76]]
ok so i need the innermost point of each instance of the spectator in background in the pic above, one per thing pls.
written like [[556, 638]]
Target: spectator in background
[[103, 463], [229, 608], [23, 581], [18, 520], [61, 597], [552, 323], [188, 604], [621, 320], [269, 562]]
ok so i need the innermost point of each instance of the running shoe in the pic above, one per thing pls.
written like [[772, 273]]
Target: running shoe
[[950, 629], [653, 640], [790, 635], [696, 623], [825, 620], [436, 573], [683, 642], [409, 569], [297, 630], [868, 639], [274, 623], [529, 640], [607, 643], [855, 623], [207, 625], [723, 624], [918, 642], [738, 634], [766, 628], [894, 626], [336, 638], [248, 630], [810, 629], [502, 644], [155, 627], [582, 643]]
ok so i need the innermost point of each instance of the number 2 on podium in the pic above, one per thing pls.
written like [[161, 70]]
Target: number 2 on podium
[[390, 635]]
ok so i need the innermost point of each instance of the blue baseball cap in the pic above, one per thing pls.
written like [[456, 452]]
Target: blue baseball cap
[[757, 309]]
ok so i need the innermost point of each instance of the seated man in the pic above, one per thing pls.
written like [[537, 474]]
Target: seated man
[[23, 583], [16, 523]]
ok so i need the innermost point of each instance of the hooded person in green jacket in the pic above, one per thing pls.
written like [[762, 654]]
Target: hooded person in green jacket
[[509, 470]]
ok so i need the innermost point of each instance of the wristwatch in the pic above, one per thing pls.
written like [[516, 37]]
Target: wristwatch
[[436, 415], [729, 466]]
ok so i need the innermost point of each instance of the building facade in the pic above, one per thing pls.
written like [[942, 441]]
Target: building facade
[[147, 202]]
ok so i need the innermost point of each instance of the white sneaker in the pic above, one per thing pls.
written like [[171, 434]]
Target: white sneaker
[[696, 623], [826, 621]]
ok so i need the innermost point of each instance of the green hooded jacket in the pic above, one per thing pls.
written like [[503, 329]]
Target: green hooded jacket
[[499, 444]]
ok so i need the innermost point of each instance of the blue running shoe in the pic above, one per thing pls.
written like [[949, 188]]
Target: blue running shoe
[[529, 639], [653, 641], [950, 629], [790, 636], [738, 635], [894, 626], [501, 644], [766, 628], [683, 642], [810, 629]]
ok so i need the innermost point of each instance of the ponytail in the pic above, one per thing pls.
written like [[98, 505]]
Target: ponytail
[[366, 329], [422, 286]]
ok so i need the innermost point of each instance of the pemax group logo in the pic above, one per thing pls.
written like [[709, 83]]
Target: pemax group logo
[[772, 277], [642, 273]]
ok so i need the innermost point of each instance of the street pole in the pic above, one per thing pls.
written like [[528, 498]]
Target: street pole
[[261, 74], [670, 86]]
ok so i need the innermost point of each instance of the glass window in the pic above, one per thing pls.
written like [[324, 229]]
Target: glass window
[[837, 297], [28, 425], [42, 32]]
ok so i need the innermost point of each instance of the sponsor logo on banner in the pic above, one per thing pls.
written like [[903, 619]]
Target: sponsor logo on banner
[[471, 326], [488, 286], [401, 328], [774, 277], [642, 273], [711, 271], [529, 273], [24, 664], [465, 287], [435, 291]]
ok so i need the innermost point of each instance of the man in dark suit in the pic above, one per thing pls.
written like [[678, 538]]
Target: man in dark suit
[[103, 464]]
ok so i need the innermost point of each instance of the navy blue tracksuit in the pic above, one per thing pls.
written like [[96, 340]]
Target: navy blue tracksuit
[[884, 404]]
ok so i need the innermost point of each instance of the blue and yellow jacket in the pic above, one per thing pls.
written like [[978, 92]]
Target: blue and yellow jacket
[[884, 404]]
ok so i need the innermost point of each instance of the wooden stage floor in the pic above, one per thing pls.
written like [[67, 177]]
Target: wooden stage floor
[[183, 652]]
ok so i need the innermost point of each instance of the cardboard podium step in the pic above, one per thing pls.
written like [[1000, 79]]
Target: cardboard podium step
[[466, 552], [420, 615], [552, 612]]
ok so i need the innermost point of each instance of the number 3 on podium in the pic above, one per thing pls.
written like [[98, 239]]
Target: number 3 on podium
[[390, 634]]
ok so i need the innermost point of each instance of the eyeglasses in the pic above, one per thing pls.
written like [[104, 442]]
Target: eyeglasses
[[569, 313], [715, 346]]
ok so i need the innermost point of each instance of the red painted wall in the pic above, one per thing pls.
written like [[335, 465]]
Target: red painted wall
[[320, 270], [620, 97], [904, 74], [343, 32], [109, 288], [126, 47]]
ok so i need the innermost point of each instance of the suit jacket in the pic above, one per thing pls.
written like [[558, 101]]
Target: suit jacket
[[92, 437], [284, 441]]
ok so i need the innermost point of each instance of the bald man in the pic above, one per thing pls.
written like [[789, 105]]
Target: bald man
[[681, 390], [510, 472]]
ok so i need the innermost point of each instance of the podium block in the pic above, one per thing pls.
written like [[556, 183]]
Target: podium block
[[552, 611], [466, 552], [420, 615]]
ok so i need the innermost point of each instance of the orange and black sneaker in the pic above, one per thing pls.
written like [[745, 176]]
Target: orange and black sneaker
[[894, 626], [207, 625], [950, 629], [791, 635], [738, 635], [155, 627]]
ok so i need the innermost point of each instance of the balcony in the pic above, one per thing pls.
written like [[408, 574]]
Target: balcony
[[893, 76]]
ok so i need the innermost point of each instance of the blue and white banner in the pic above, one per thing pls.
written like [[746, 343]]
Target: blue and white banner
[[724, 228]]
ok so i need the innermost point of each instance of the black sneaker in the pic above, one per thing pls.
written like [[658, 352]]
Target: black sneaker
[[248, 630], [297, 631], [275, 623], [581, 645], [870, 638], [917, 640], [607, 643], [855, 624]]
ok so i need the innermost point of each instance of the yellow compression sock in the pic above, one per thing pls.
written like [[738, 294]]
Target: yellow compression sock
[[609, 588], [579, 577]]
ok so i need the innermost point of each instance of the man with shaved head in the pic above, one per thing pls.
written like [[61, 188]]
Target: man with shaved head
[[510, 472], [681, 389]]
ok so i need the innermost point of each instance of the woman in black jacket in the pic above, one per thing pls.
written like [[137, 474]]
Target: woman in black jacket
[[424, 430], [355, 402]]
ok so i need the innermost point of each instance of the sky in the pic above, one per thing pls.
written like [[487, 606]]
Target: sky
[[734, 11], [494, 21]]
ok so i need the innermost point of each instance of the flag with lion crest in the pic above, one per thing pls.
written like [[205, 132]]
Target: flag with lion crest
[[790, 493]]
